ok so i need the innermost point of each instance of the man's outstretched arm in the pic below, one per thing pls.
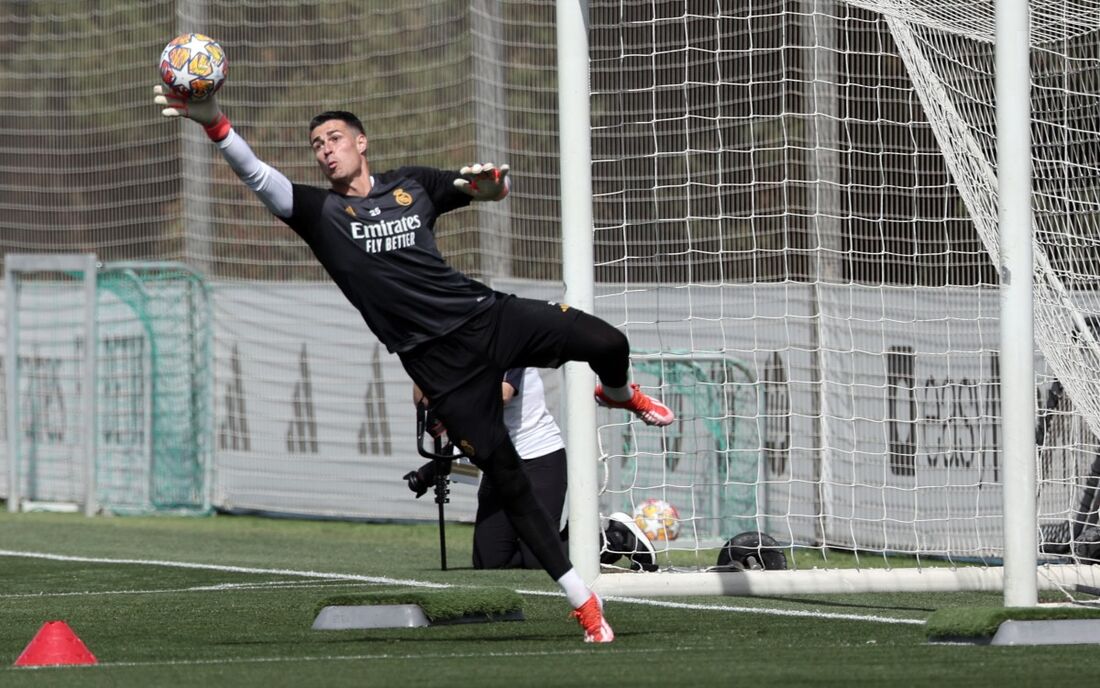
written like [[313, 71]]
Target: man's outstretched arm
[[268, 183]]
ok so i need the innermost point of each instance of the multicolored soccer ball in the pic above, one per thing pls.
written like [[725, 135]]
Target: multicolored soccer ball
[[194, 66], [659, 520]]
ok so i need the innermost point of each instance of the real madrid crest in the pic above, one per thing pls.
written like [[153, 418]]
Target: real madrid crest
[[402, 197]]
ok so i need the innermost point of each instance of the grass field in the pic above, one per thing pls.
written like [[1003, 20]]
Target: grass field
[[165, 601]]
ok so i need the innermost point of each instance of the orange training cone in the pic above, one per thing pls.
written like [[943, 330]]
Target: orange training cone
[[55, 643]]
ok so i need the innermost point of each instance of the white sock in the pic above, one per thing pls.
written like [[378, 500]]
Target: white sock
[[625, 393], [574, 588]]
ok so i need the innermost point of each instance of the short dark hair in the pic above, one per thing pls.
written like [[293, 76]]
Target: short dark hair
[[343, 115]]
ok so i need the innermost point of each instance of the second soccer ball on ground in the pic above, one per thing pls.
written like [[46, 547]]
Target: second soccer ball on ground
[[659, 520]]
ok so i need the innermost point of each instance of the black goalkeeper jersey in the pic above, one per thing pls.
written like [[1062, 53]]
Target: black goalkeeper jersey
[[380, 250]]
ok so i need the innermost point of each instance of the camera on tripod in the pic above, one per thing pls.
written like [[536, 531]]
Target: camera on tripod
[[423, 479]]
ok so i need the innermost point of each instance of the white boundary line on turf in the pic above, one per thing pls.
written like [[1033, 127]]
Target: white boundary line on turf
[[749, 610], [380, 580], [216, 587]]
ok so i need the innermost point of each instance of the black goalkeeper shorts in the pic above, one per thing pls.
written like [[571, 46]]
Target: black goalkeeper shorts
[[461, 372]]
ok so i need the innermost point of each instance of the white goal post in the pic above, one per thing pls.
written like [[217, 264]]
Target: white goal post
[[1013, 93], [851, 473]]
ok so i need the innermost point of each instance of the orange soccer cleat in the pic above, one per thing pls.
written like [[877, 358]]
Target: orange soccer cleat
[[590, 616], [651, 411]]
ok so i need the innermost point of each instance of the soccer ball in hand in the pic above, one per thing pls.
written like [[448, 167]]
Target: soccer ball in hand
[[658, 519], [193, 66]]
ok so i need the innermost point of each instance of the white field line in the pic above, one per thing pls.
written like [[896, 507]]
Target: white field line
[[379, 580], [217, 587], [806, 613]]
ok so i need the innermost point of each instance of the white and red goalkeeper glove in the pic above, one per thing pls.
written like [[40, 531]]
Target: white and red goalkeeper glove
[[205, 112], [484, 181]]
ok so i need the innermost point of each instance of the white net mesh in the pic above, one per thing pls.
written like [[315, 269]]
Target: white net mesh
[[808, 190]]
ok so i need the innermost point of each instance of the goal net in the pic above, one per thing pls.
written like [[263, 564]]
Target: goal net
[[796, 225], [123, 425]]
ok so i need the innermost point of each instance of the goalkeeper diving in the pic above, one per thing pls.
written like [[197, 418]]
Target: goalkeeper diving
[[374, 235]]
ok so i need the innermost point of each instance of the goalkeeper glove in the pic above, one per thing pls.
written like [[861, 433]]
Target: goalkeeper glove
[[205, 112], [484, 181]]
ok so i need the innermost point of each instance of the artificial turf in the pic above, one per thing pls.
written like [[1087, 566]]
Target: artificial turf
[[165, 601]]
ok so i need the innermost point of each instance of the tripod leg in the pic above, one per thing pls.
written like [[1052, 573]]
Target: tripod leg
[[441, 472], [441, 499]]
